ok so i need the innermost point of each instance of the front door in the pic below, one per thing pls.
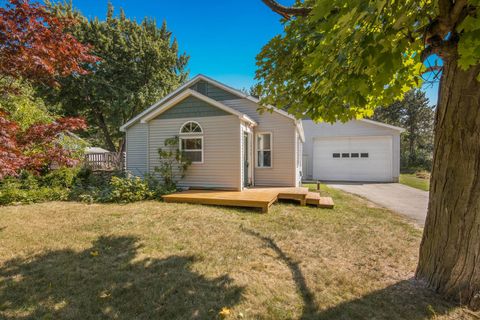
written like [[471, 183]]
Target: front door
[[246, 157]]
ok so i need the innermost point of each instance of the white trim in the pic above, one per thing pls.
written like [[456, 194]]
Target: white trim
[[148, 148], [215, 83], [271, 150], [187, 93], [242, 95], [241, 186], [381, 124], [352, 137], [194, 150], [190, 133], [300, 130], [250, 178], [156, 104]]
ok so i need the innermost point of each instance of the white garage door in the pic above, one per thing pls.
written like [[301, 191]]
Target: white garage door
[[353, 158]]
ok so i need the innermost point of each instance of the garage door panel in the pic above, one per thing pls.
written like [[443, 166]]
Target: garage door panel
[[376, 167]]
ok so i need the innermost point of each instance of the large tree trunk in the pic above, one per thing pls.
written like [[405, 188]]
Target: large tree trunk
[[450, 250], [103, 126]]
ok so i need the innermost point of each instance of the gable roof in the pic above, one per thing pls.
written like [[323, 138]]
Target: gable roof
[[384, 125], [161, 108], [186, 85]]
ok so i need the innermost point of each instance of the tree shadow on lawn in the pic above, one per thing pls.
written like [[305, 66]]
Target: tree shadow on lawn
[[106, 281], [406, 299]]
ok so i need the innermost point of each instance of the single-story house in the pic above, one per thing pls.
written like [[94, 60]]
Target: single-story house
[[358, 150], [230, 144]]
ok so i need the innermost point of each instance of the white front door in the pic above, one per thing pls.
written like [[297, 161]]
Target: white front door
[[353, 159], [247, 159]]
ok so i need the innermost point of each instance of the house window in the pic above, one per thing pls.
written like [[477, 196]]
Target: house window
[[354, 155], [345, 155], [264, 150], [191, 127], [191, 141], [336, 155], [364, 155]]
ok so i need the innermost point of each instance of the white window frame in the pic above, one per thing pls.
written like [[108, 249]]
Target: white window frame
[[257, 150], [190, 133], [187, 137]]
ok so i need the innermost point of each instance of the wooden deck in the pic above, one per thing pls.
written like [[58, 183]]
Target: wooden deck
[[262, 198]]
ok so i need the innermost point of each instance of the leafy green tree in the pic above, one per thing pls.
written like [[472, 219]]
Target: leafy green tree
[[340, 59], [22, 106], [414, 114], [139, 64]]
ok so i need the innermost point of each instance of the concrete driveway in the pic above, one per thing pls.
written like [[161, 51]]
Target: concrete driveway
[[397, 197]]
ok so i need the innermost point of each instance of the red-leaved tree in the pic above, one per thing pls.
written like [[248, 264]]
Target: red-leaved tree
[[36, 148], [11, 159], [34, 44]]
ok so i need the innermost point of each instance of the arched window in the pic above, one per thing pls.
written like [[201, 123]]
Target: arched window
[[191, 127], [191, 141]]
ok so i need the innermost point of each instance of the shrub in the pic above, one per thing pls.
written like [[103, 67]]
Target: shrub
[[14, 194], [125, 190], [62, 178], [80, 185], [173, 163], [157, 187], [29, 188]]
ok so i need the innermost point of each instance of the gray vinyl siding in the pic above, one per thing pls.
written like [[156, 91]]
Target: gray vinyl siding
[[221, 150], [192, 107], [284, 169], [136, 136], [211, 91]]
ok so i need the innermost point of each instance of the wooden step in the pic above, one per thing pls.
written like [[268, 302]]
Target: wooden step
[[326, 202], [314, 198], [298, 194]]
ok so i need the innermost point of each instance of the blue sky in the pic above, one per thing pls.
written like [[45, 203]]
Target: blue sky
[[222, 37]]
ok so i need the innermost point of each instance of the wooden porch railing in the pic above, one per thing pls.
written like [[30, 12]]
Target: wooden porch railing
[[108, 161]]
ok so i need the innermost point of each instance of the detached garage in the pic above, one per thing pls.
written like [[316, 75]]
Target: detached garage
[[359, 150]]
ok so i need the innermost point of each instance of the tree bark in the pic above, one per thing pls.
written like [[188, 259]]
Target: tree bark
[[450, 250], [103, 126]]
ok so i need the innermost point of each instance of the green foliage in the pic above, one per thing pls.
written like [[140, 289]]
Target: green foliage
[[22, 105], [115, 187], [469, 44], [173, 163], [342, 65], [125, 190], [140, 64], [79, 184], [415, 115], [28, 188], [61, 178]]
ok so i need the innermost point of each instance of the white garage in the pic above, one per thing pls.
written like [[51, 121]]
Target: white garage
[[360, 150]]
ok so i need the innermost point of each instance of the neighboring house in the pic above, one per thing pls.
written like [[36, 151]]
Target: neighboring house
[[358, 150], [230, 144], [95, 150]]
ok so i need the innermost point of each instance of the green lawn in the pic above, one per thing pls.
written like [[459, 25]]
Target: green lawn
[[153, 260], [415, 182]]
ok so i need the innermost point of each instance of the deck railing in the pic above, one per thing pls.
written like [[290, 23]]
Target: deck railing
[[108, 161]]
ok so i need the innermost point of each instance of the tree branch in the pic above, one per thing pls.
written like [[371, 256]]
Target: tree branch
[[287, 12], [458, 12], [444, 7], [434, 69]]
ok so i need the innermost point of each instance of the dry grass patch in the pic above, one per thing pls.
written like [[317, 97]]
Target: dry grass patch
[[155, 260]]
